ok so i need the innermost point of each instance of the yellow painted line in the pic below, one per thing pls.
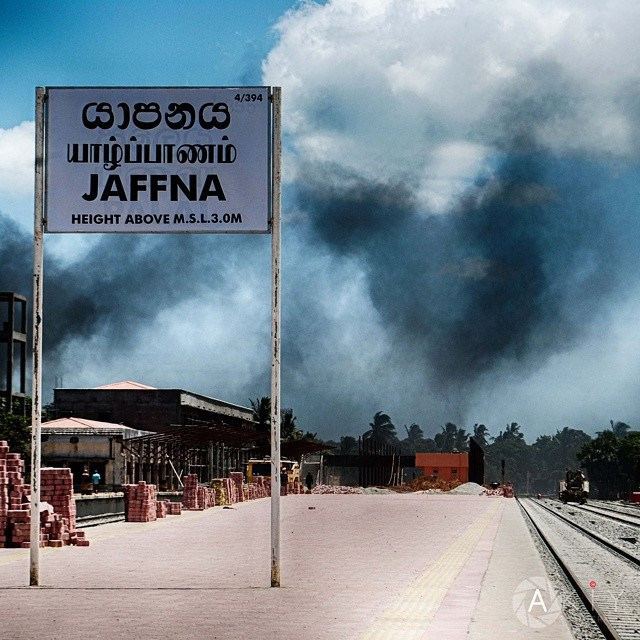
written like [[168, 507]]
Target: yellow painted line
[[408, 616]]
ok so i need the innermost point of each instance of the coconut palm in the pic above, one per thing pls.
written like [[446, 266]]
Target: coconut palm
[[288, 427], [381, 429], [481, 434], [261, 408]]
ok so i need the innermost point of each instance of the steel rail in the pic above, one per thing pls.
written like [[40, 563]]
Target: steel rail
[[632, 521], [595, 536], [594, 610]]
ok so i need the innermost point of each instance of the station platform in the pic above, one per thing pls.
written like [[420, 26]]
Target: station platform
[[354, 567]]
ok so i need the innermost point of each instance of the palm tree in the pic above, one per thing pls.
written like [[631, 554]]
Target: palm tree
[[261, 408], [288, 427], [512, 432], [461, 440], [414, 440], [481, 434], [446, 439], [620, 429], [382, 429], [601, 459]]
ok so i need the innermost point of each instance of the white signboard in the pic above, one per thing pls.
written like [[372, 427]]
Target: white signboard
[[158, 160]]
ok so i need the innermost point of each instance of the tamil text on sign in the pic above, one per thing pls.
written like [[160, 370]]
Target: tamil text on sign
[[152, 160]]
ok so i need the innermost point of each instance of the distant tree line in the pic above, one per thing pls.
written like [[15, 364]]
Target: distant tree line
[[289, 429], [611, 459]]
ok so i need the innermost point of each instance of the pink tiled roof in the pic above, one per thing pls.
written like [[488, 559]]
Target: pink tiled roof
[[81, 425], [125, 384]]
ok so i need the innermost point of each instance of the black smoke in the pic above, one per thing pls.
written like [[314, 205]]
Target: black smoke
[[515, 273], [120, 285]]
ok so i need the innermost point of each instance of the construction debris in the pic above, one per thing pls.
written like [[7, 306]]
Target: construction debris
[[429, 484], [326, 489]]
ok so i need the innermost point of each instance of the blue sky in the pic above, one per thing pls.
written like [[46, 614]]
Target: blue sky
[[220, 42], [460, 223]]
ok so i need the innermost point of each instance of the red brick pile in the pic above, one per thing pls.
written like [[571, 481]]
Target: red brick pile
[[57, 507], [190, 492], [261, 486], [56, 488], [231, 490], [206, 497], [55, 532], [161, 509], [140, 503], [237, 478], [197, 497], [174, 508]]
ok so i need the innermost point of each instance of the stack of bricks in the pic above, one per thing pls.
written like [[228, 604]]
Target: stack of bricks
[[15, 517], [174, 508], [206, 497], [19, 528], [161, 509], [56, 488], [190, 492], [237, 479], [262, 489], [56, 532], [197, 497], [140, 502], [57, 508], [232, 490]]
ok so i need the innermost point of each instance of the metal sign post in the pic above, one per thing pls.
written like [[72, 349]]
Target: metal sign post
[[275, 346], [36, 355], [157, 160]]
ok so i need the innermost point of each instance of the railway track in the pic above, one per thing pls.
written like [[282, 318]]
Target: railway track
[[612, 514], [604, 576], [628, 508]]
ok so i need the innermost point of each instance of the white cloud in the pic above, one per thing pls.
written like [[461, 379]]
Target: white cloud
[[16, 159], [385, 87]]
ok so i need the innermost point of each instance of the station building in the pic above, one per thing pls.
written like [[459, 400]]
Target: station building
[[77, 443], [151, 434]]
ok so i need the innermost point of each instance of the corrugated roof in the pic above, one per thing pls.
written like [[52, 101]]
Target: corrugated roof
[[83, 426], [125, 384]]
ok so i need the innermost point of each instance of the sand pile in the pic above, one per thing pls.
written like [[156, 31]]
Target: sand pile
[[469, 489]]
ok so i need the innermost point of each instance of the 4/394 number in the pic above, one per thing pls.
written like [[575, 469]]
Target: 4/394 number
[[248, 97]]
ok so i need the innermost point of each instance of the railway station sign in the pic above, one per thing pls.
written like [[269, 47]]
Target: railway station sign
[[158, 160]]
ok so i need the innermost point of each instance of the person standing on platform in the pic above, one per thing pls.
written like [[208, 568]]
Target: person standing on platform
[[95, 480]]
